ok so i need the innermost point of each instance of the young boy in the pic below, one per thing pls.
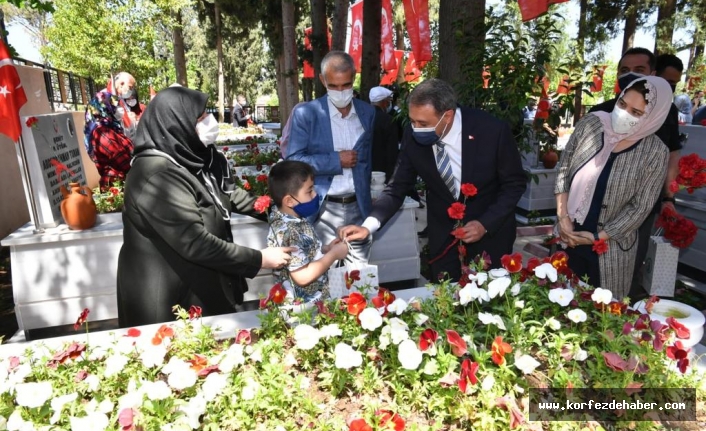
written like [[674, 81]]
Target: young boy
[[291, 185]]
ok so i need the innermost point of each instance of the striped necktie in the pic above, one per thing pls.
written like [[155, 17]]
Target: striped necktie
[[443, 163]]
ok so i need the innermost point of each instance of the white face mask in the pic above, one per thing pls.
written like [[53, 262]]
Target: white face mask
[[622, 121], [340, 99], [131, 102], [207, 129]]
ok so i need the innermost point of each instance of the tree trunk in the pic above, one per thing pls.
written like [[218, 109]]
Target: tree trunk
[[370, 60], [219, 56], [319, 41], [580, 41], [308, 88], [631, 7], [458, 17], [340, 25], [665, 27], [281, 91], [179, 52], [290, 70]]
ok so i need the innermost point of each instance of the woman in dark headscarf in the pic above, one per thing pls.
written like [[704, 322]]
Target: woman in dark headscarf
[[105, 139], [177, 243]]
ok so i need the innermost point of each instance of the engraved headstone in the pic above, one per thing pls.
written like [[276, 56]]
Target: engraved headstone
[[54, 159]]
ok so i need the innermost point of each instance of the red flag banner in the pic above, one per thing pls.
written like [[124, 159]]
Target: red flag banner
[[387, 46], [544, 106], [411, 70], [598, 72], [308, 68], [563, 87], [390, 76], [416, 13], [12, 96], [531, 9], [355, 47]]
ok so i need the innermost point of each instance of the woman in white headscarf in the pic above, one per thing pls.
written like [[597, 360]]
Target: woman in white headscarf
[[610, 175]]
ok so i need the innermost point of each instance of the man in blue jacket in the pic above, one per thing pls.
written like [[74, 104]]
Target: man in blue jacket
[[334, 134]]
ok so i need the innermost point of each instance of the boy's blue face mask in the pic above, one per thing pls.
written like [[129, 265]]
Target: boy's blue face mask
[[307, 209], [427, 135]]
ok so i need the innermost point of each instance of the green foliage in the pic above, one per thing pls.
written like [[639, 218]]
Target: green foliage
[[39, 5]]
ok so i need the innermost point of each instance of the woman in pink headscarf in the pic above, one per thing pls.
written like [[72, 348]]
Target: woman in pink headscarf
[[610, 175]]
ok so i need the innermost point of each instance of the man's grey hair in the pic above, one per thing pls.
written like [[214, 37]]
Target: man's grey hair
[[436, 93], [337, 61]]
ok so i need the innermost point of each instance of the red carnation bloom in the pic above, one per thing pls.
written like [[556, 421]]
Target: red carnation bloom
[[600, 246], [262, 204], [468, 190], [457, 210]]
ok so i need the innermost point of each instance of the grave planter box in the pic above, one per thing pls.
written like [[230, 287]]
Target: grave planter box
[[539, 196]]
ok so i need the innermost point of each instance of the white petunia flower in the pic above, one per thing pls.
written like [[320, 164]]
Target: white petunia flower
[[58, 403], [32, 394], [306, 337], [16, 423], [289, 360], [153, 356], [409, 355], [250, 390], [193, 411], [526, 364], [331, 330], [385, 338], [256, 354], [580, 355], [431, 367], [519, 303], [577, 315], [346, 357], [420, 319], [553, 324], [602, 296], [515, 290], [498, 286], [464, 295], [93, 422], [131, 400], [498, 272], [370, 319], [488, 383], [479, 278], [174, 364], [106, 406], [561, 296], [304, 383], [477, 293], [93, 382], [182, 377], [358, 340], [232, 358], [213, 385], [398, 330], [115, 364], [156, 391], [398, 306], [19, 374], [493, 319], [546, 270]]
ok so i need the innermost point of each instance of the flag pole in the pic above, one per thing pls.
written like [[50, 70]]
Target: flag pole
[[24, 167]]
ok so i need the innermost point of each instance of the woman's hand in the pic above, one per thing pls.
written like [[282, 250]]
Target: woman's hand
[[276, 257], [581, 238], [566, 229]]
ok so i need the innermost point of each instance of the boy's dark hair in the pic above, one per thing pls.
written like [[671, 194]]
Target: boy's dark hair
[[669, 60], [640, 51], [287, 178]]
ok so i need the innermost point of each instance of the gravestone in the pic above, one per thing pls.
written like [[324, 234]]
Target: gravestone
[[54, 159]]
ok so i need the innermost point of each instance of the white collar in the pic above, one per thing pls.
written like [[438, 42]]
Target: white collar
[[454, 135]]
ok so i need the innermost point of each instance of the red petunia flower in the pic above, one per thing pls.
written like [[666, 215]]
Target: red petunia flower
[[682, 331], [679, 354], [163, 332], [114, 191], [194, 312], [133, 332], [468, 374], [651, 303], [323, 310], [427, 339], [512, 262], [600, 246], [126, 419], [560, 260], [31, 121], [277, 294], [458, 344], [351, 278], [262, 204], [499, 349], [383, 299], [81, 319], [532, 263], [243, 337], [457, 210], [356, 303], [509, 404], [359, 425], [468, 190], [389, 420]]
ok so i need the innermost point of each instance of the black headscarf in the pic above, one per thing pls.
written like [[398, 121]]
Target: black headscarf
[[169, 125]]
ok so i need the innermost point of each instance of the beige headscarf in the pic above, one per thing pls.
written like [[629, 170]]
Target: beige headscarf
[[659, 100]]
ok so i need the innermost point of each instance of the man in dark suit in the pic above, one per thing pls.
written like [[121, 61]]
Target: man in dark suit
[[634, 63], [334, 134], [239, 117], [385, 138], [480, 150]]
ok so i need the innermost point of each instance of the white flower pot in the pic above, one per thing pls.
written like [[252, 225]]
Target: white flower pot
[[687, 315]]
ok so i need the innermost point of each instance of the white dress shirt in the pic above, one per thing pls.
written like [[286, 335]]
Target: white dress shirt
[[452, 142], [345, 132]]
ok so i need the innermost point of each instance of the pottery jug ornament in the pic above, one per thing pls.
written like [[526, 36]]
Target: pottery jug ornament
[[78, 208]]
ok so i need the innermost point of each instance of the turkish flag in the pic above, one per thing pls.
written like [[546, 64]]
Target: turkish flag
[[416, 13], [531, 9], [411, 70], [308, 67], [12, 96], [597, 84], [387, 46], [355, 46], [390, 76]]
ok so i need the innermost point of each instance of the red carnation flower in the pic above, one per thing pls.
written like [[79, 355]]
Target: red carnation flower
[[457, 210], [468, 190], [262, 204], [600, 246]]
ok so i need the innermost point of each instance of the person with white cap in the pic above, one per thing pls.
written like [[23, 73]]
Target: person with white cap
[[385, 136]]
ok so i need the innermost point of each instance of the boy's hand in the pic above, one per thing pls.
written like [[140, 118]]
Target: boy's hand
[[353, 233], [325, 249], [339, 249]]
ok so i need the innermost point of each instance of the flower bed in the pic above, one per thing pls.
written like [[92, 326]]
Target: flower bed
[[464, 359], [111, 200]]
